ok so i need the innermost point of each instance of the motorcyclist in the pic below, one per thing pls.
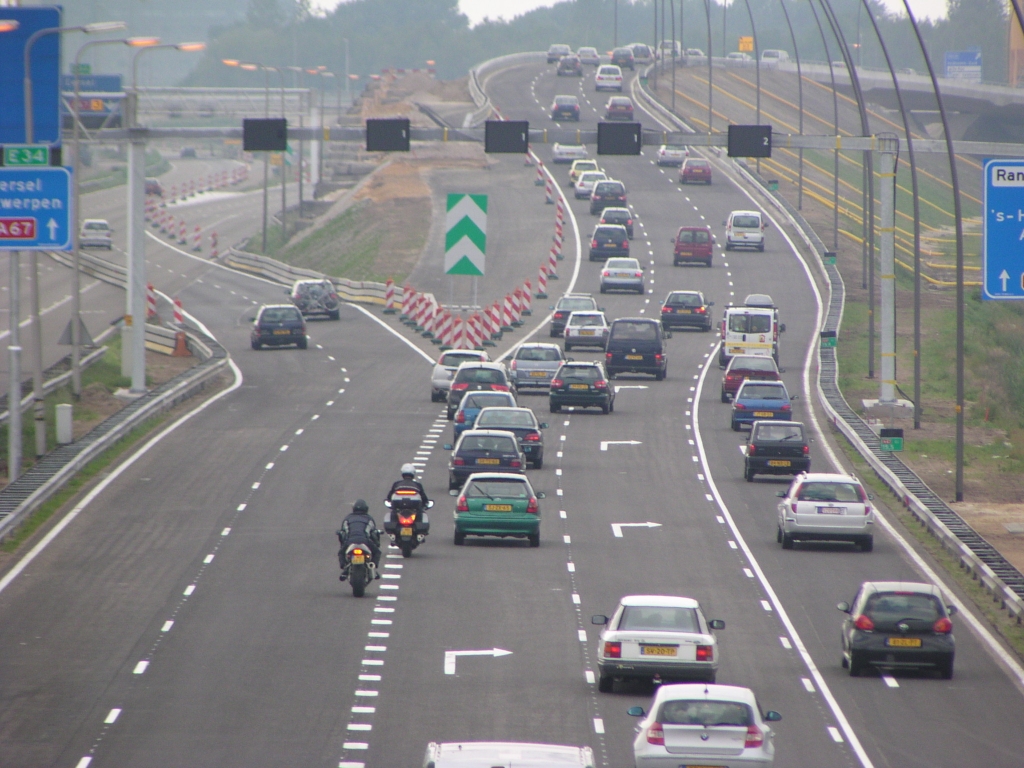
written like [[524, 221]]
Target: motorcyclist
[[359, 527], [408, 481]]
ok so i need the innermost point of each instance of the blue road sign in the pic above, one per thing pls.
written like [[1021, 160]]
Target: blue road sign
[[1003, 230], [45, 64], [91, 83], [35, 209], [964, 65]]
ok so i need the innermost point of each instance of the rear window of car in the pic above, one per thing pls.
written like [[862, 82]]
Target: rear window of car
[[761, 392], [515, 489], [654, 618], [586, 320], [580, 372], [488, 443], [279, 315], [614, 232], [896, 606], [98, 225], [685, 300], [635, 331], [609, 70], [747, 222], [610, 188], [779, 432], [566, 101], [591, 176], [538, 354], [696, 163], [693, 236], [752, 364], [704, 712], [620, 101], [586, 165], [622, 264], [615, 217], [572, 304], [506, 419], [829, 491], [480, 376], [456, 358], [486, 400]]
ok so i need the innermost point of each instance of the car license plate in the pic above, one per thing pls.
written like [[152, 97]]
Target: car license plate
[[831, 510], [903, 642], [406, 531], [658, 650], [497, 507], [586, 333], [634, 357], [579, 386], [281, 331], [779, 463], [764, 414], [358, 559], [683, 312], [538, 374], [488, 461], [609, 245]]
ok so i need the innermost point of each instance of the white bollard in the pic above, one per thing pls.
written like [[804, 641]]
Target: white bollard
[[65, 424]]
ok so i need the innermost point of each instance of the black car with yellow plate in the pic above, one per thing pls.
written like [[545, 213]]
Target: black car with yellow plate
[[278, 325], [686, 309], [776, 448], [582, 385], [483, 450]]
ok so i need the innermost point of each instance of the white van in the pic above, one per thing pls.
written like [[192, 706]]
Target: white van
[[745, 229], [773, 56], [751, 329]]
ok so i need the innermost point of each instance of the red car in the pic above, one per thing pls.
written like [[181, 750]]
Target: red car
[[695, 169], [693, 245], [743, 367], [618, 108]]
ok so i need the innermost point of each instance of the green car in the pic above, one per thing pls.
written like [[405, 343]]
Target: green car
[[497, 504]]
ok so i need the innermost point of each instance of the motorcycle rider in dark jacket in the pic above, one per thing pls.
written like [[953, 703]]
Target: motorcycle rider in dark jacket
[[408, 481], [359, 527]]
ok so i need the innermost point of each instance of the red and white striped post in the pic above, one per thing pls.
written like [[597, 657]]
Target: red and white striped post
[[174, 193], [527, 297], [457, 333], [539, 181], [408, 292], [213, 245], [493, 314], [559, 210], [192, 188], [506, 314], [422, 312], [389, 297], [529, 157], [447, 325], [558, 241], [549, 194], [151, 312], [180, 342], [166, 222], [182, 233], [552, 264], [542, 283], [197, 240], [517, 309]]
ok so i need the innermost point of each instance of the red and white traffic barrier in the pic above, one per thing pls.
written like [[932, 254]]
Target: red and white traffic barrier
[[527, 297], [493, 318], [542, 283], [517, 307], [182, 233], [552, 264], [180, 343], [549, 194], [192, 188], [506, 314], [529, 158], [151, 312], [174, 193], [213, 245], [446, 328], [559, 212], [389, 297], [408, 292], [166, 222], [558, 243], [458, 333], [423, 312], [539, 181], [197, 240]]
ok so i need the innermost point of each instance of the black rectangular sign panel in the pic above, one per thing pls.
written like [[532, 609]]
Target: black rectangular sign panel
[[618, 138], [507, 136], [750, 141], [387, 135], [265, 134]]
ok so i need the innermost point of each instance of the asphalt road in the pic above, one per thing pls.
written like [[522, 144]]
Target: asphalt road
[[191, 614]]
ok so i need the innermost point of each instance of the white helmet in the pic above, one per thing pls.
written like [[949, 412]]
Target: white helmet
[[408, 469]]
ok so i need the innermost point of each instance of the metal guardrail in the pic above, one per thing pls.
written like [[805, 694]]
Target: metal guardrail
[[476, 84], [51, 384], [974, 553], [359, 291]]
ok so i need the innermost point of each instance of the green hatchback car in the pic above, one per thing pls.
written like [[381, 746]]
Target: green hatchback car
[[498, 504]]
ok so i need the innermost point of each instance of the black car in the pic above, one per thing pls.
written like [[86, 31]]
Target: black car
[[618, 108], [608, 240], [570, 65], [686, 309], [565, 108], [608, 193], [622, 216], [522, 423], [477, 377], [581, 385], [276, 325], [623, 57], [898, 625], [636, 345], [566, 306], [776, 448], [483, 450]]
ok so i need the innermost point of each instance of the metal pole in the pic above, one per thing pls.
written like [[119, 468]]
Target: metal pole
[[266, 157], [800, 98], [284, 175], [14, 356], [320, 157], [835, 152], [76, 275], [711, 90], [302, 157], [672, 5], [38, 399], [348, 81], [136, 317], [888, 145], [615, 34]]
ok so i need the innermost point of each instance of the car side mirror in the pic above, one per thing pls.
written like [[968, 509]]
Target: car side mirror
[[843, 606], [772, 716], [782, 370], [552, 306], [541, 495], [599, 619], [287, 292], [951, 610], [570, 360], [794, 397], [782, 327], [871, 497], [716, 624], [543, 425], [430, 504], [781, 494], [447, 446], [711, 303], [765, 225], [673, 241], [724, 223], [635, 712], [600, 309]]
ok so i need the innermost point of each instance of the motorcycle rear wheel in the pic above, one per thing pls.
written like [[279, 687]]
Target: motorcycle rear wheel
[[357, 577], [406, 548]]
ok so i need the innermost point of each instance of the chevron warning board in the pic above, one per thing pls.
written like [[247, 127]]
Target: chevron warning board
[[465, 241]]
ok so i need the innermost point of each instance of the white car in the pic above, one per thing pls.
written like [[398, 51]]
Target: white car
[[744, 229], [826, 507], [695, 53], [739, 58], [700, 724], [445, 367], [608, 78], [585, 185], [671, 154], [589, 56], [586, 329], [622, 275], [95, 233], [581, 166], [472, 754], [656, 637], [566, 153]]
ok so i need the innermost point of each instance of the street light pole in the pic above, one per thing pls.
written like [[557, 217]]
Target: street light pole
[[13, 349], [284, 157]]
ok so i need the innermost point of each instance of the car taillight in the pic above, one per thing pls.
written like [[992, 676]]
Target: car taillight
[[635, 274], [751, 450], [403, 520], [515, 463], [460, 418], [459, 386], [739, 406], [608, 356], [612, 650], [606, 273], [658, 357], [558, 315], [462, 505], [533, 437], [755, 738], [705, 653], [786, 407], [575, 109], [556, 383], [731, 377], [499, 387], [943, 626], [655, 735], [666, 310], [593, 243], [513, 365], [358, 551], [458, 461], [864, 623], [532, 507], [807, 450], [700, 310], [601, 384]]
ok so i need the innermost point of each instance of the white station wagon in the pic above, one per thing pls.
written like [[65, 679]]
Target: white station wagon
[[608, 77]]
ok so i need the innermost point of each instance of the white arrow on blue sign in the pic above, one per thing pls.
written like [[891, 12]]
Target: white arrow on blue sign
[[1003, 235], [35, 209]]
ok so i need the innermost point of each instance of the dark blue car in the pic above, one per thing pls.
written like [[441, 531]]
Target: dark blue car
[[761, 401]]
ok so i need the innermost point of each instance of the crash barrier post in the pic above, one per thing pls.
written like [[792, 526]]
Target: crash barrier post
[[552, 264], [197, 240], [539, 181], [549, 195], [527, 297], [182, 233], [213, 245]]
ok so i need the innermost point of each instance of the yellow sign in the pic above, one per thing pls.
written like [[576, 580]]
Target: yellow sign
[[275, 158], [746, 45]]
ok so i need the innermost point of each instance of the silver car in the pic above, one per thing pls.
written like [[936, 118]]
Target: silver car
[[589, 56], [96, 233], [533, 365], [622, 275], [826, 507], [586, 329], [445, 367], [586, 182]]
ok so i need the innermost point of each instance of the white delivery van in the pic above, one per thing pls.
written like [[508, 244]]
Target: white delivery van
[[751, 329], [745, 229], [773, 56]]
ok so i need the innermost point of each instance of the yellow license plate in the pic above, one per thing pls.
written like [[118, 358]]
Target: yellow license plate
[[779, 463], [683, 312], [406, 531], [586, 333], [634, 357], [497, 507], [358, 559], [281, 332], [658, 650], [686, 253], [488, 461], [579, 386], [538, 374], [766, 414], [903, 642]]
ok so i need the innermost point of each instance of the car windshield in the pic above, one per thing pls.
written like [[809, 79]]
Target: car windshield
[[705, 713], [494, 488], [752, 364], [279, 315], [588, 165], [586, 320], [539, 354], [665, 618], [830, 491], [894, 606], [635, 331], [693, 236], [488, 443], [506, 419], [762, 392], [615, 217], [96, 225], [486, 400], [742, 323], [580, 372], [746, 222], [587, 51], [620, 102], [566, 100], [685, 300], [480, 376], [780, 432], [591, 176], [455, 359], [572, 304]]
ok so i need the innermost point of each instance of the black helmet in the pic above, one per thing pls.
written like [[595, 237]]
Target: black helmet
[[360, 506]]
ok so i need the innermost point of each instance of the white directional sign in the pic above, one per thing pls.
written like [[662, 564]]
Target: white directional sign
[[617, 527], [465, 240], [451, 656], [606, 443]]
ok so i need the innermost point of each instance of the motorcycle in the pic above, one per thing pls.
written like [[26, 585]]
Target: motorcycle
[[361, 569], [407, 523]]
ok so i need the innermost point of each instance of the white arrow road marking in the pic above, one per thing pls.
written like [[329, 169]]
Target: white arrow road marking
[[606, 443], [451, 656], [617, 527]]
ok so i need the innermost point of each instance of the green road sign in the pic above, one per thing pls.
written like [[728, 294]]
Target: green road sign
[[21, 155], [81, 69], [828, 339], [465, 241], [890, 444]]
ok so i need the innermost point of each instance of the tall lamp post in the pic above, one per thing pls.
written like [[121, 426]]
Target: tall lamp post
[[284, 156], [37, 332], [13, 349]]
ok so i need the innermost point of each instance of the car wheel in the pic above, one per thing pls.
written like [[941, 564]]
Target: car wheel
[[856, 664], [611, 406], [735, 425], [748, 474], [302, 344], [708, 265], [946, 669], [712, 677], [335, 315], [452, 486], [867, 544], [256, 345], [568, 347], [844, 662], [605, 683], [603, 290], [661, 375], [778, 535], [534, 539], [539, 463], [787, 541], [675, 263], [725, 397], [460, 538], [761, 247], [554, 408], [451, 414], [604, 409], [728, 246]]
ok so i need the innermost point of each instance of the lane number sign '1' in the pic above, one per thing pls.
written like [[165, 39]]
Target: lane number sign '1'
[[1003, 237]]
